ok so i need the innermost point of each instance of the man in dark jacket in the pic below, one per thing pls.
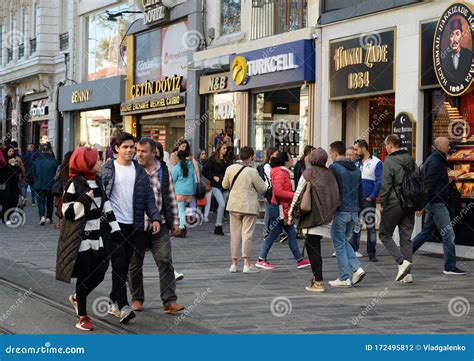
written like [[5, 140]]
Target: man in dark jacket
[[28, 159], [393, 214], [149, 157], [128, 188], [346, 218], [435, 177], [43, 171]]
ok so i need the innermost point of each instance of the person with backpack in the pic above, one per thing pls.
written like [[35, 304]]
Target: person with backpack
[[244, 185], [278, 212], [264, 171], [396, 206], [346, 217], [436, 180], [82, 246]]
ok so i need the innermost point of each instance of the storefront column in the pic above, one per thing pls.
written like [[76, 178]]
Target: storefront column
[[242, 117], [311, 111], [68, 131]]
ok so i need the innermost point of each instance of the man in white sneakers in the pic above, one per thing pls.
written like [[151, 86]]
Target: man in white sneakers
[[128, 188]]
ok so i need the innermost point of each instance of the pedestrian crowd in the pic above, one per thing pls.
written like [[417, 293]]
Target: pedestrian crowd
[[113, 212]]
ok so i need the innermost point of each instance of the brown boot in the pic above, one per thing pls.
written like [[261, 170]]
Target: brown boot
[[137, 305], [173, 308]]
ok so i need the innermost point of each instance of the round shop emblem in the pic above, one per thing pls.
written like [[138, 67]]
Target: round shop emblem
[[453, 47], [239, 70]]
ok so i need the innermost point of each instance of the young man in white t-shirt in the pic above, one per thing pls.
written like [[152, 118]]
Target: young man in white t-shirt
[[128, 188]]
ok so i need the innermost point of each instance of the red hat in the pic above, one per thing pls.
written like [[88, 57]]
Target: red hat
[[82, 162], [455, 24]]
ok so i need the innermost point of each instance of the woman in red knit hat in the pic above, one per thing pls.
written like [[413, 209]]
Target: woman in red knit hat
[[88, 217]]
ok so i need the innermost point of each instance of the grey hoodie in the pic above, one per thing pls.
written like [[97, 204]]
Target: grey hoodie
[[392, 177]]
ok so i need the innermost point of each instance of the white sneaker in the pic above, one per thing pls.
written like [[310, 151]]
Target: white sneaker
[[126, 314], [42, 221], [403, 270], [114, 309], [206, 220], [233, 269], [358, 254], [358, 276], [178, 276], [407, 279], [250, 269], [339, 283], [8, 223], [334, 254], [48, 221]]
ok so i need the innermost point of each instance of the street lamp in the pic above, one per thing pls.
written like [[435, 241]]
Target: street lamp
[[113, 16]]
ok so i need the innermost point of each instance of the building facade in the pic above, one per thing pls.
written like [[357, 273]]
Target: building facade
[[35, 50]]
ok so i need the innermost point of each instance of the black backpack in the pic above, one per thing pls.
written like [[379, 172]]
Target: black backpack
[[263, 175], [413, 191]]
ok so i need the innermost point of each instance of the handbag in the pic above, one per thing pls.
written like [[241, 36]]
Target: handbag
[[306, 197], [207, 183], [313, 218], [58, 188]]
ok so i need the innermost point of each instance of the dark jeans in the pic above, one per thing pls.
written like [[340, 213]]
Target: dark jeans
[[438, 217], [11, 202], [369, 216], [405, 220], [90, 269], [122, 246], [275, 229], [44, 200], [160, 246], [313, 246]]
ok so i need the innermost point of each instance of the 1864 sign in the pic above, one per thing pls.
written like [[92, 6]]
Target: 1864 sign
[[362, 65], [403, 127], [453, 46]]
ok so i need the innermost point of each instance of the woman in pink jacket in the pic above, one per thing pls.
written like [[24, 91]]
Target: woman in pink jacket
[[282, 195]]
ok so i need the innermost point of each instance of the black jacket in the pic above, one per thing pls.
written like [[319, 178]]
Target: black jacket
[[435, 177], [215, 168]]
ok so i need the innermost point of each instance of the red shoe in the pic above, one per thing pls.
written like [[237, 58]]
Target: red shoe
[[264, 265], [303, 264], [84, 323]]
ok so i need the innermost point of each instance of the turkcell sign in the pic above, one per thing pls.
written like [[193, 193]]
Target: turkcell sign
[[280, 64]]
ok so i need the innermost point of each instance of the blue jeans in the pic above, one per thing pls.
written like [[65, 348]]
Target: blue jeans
[[266, 219], [369, 215], [342, 228], [44, 201], [219, 195], [437, 216], [183, 212], [276, 228], [24, 191]]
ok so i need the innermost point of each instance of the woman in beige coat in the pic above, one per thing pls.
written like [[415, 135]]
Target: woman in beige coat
[[245, 184]]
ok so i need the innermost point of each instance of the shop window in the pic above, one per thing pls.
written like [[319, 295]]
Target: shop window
[[106, 51], [221, 121], [280, 119], [381, 117], [96, 129], [230, 17], [270, 17]]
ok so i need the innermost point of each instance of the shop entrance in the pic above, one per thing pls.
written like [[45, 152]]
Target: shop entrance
[[164, 130]]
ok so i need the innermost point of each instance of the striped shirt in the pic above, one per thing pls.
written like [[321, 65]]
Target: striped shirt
[[156, 186], [75, 206]]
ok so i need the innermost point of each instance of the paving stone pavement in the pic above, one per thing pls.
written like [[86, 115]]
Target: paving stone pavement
[[267, 302]]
